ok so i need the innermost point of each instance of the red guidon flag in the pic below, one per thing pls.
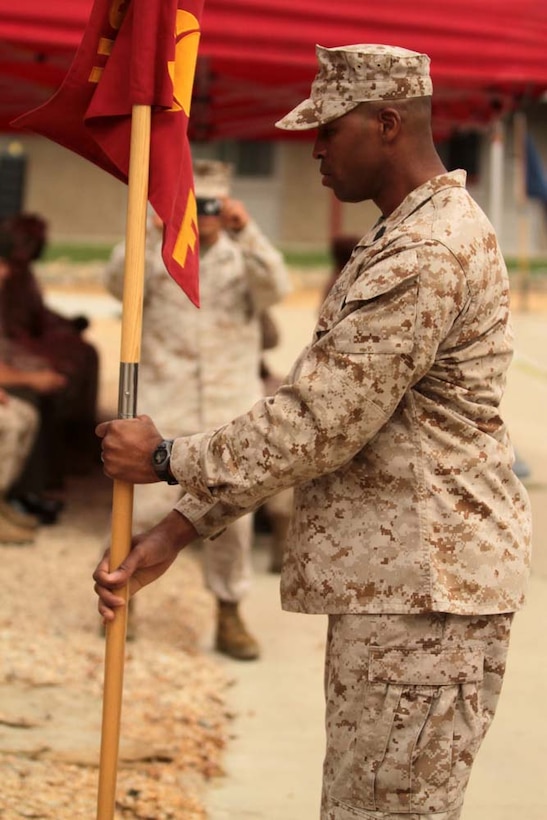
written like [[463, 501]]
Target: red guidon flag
[[136, 52]]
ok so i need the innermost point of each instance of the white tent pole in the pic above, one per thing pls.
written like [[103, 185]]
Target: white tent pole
[[521, 199], [497, 149]]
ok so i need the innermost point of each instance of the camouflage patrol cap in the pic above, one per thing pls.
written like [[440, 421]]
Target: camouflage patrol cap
[[212, 178], [350, 75]]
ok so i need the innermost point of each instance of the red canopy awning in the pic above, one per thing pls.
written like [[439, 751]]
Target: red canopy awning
[[257, 57]]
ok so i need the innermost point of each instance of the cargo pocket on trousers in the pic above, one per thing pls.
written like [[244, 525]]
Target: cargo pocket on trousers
[[420, 730]]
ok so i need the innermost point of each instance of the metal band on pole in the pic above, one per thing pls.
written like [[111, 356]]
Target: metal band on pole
[[127, 393]]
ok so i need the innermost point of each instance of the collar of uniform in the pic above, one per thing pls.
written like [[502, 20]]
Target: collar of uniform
[[416, 198]]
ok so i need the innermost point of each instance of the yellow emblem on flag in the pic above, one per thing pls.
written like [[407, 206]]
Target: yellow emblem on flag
[[182, 68], [187, 234]]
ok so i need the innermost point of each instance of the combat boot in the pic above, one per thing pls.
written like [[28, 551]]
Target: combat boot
[[232, 637], [17, 517], [10, 533]]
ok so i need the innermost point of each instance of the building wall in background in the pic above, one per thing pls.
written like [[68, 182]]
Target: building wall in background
[[80, 202]]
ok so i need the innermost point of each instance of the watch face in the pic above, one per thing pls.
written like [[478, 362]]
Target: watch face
[[161, 454], [160, 461]]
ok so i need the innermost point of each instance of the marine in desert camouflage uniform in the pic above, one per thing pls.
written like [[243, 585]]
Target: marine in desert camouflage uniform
[[200, 367], [410, 529]]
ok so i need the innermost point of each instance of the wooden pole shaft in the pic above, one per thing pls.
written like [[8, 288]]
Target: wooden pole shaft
[[122, 512], [135, 235], [122, 496]]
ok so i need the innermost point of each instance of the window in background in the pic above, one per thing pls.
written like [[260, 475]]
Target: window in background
[[250, 158]]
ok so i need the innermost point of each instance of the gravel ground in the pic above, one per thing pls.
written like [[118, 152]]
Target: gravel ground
[[174, 720]]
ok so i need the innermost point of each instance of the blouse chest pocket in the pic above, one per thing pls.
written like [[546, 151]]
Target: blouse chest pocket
[[377, 313]]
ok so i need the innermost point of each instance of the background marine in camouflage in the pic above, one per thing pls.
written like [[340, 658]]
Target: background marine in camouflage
[[200, 367]]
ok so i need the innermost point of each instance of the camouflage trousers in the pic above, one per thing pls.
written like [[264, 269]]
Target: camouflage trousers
[[18, 428], [409, 700]]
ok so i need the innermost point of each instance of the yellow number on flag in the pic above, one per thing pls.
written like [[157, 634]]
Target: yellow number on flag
[[186, 238]]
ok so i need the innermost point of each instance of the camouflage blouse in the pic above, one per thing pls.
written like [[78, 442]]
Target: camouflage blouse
[[389, 428]]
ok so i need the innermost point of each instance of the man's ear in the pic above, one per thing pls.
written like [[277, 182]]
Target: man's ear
[[390, 123]]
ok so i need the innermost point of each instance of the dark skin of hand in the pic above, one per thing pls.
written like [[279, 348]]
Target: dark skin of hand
[[127, 449]]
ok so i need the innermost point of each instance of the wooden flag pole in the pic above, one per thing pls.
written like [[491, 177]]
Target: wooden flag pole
[[122, 496]]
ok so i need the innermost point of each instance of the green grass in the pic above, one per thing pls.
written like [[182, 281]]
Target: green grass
[[82, 252], [535, 266], [77, 252], [307, 259]]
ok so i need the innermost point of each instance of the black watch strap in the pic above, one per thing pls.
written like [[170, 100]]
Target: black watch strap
[[161, 458]]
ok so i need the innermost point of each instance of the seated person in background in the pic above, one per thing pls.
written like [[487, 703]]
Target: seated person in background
[[42, 390], [38, 330], [36, 391]]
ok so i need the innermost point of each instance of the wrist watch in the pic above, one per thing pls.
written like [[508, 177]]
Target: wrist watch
[[161, 458]]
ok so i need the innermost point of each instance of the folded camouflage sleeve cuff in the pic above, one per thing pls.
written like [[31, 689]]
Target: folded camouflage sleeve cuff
[[201, 504], [186, 468]]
